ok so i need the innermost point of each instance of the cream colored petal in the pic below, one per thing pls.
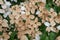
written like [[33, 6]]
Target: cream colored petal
[[53, 29], [24, 37], [35, 26], [5, 24], [27, 13], [48, 29], [0, 21], [38, 23], [1, 2], [51, 10], [24, 17], [11, 16], [36, 20], [6, 36], [57, 20], [12, 21], [1, 29], [17, 16], [58, 38], [33, 11], [31, 16], [52, 23]]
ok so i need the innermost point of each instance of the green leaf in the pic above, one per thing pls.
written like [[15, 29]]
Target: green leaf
[[47, 7], [51, 4], [13, 35], [39, 19], [47, 38], [1, 33], [52, 35], [49, 1], [44, 36], [42, 28], [19, 1], [57, 9], [0, 7], [12, 27]]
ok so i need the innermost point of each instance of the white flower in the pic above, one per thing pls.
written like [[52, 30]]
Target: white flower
[[14, 0], [4, 0], [44, 1], [7, 3], [47, 24], [2, 11], [22, 12], [23, 8], [38, 12], [4, 6], [37, 37], [58, 27], [6, 14], [21, 3]]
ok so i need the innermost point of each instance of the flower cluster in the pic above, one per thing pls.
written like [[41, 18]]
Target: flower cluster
[[26, 19]]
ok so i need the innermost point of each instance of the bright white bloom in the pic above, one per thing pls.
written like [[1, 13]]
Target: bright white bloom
[[7, 3], [44, 1], [47, 24], [4, 0], [14, 0], [22, 12], [6, 14], [2, 11], [38, 12], [23, 8], [58, 27], [4, 6], [37, 37], [21, 3]]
